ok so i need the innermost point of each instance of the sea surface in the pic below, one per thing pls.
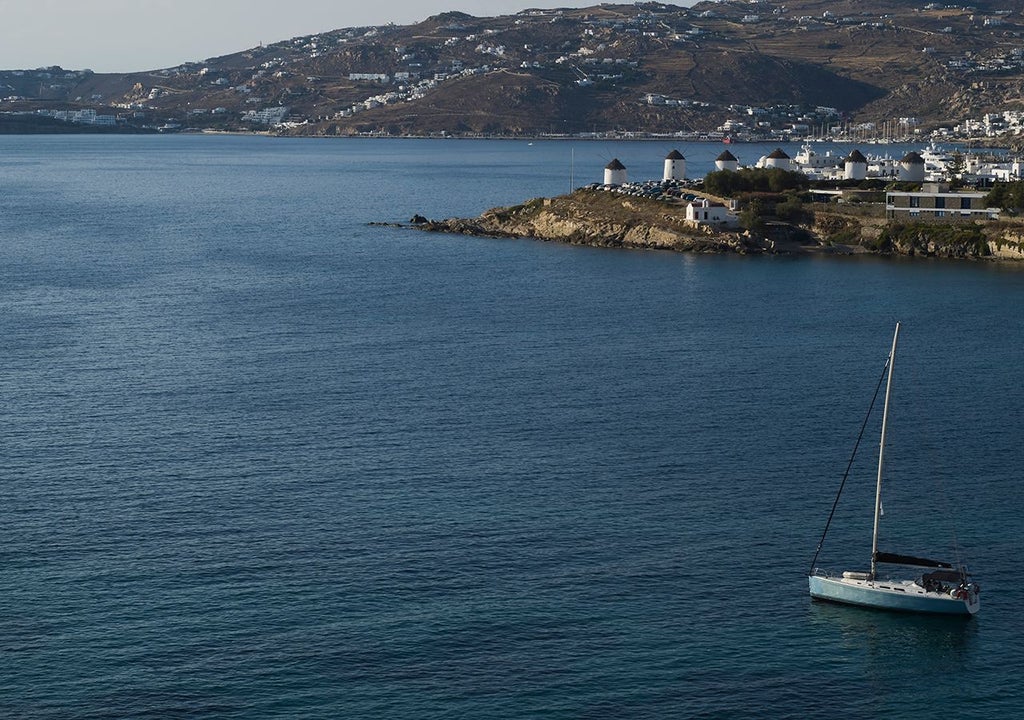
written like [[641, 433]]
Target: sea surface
[[262, 459]]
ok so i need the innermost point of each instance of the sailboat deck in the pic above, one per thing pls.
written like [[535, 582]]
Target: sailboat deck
[[905, 595]]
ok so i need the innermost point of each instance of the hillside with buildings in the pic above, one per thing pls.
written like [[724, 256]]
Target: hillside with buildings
[[746, 70]]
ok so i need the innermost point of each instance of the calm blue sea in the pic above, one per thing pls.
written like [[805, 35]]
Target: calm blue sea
[[261, 459]]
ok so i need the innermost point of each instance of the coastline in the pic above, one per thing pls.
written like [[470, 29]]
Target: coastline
[[596, 218]]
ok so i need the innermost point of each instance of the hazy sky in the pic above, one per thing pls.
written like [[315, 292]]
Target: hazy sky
[[127, 35]]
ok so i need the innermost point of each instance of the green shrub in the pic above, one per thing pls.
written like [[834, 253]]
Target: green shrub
[[793, 210], [729, 183], [1007, 196], [752, 217]]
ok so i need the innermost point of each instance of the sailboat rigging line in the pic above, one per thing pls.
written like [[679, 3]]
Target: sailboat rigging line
[[849, 465], [944, 496]]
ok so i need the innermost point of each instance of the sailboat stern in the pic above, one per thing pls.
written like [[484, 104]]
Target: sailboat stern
[[969, 593]]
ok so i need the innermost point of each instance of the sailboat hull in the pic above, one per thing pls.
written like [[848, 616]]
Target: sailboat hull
[[897, 595]]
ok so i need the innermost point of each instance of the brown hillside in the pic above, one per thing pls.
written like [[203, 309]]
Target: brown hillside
[[645, 67]]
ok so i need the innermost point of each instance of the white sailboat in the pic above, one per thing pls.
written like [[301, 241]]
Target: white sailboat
[[940, 587]]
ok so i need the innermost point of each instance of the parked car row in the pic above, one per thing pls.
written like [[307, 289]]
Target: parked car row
[[664, 190]]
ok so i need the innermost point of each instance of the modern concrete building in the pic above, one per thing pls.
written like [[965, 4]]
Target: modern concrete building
[[936, 203]]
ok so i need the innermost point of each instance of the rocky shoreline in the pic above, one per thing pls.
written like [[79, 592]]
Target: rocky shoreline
[[597, 218]]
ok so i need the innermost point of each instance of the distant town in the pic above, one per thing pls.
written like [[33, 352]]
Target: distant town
[[746, 123], [641, 70]]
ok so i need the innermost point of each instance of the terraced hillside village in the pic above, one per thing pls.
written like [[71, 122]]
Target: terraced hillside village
[[749, 69]]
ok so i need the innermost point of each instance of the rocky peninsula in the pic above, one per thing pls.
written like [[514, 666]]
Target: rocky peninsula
[[599, 218]]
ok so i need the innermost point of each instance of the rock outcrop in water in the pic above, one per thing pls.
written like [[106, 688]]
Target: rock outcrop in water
[[599, 218]]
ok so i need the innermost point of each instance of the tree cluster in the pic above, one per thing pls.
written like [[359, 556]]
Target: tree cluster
[[730, 183], [1007, 196]]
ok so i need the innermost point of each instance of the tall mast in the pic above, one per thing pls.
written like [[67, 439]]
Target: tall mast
[[572, 169], [881, 451]]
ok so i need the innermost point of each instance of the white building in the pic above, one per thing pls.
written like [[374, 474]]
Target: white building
[[855, 167], [615, 173], [911, 168], [369, 77], [727, 161], [778, 159], [266, 116], [703, 212], [1007, 172], [815, 164], [675, 166]]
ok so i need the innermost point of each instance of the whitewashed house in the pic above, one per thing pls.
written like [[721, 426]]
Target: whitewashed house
[[704, 212]]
